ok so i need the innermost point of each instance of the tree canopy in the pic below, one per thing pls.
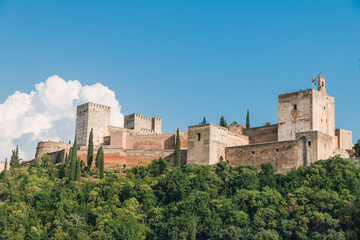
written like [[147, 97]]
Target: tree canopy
[[189, 202]]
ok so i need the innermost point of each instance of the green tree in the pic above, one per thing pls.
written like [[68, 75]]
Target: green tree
[[266, 124], [177, 152], [78, 170], [99, 161], [15, 159], [73, 159], [247, 119], [357, 148], [233, 123], [204, 121], [267, 176], [45, 159], [5, 166], [98, 158], [90, 153], [59, 157], [223, 122]]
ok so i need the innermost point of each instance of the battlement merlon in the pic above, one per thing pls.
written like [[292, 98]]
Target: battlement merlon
[[91, 104]]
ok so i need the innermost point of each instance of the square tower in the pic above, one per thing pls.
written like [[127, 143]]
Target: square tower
[[207, 143], [308, 110], [143, 124], [92, 116]]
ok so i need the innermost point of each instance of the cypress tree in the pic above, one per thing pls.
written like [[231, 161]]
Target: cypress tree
[[75, 148], [223, 122], [204, 120], [177, 152], [5, 167], [72, 166], [78, 170], [100, 158], [15, 160], [90, 153], [247, 120], [68, 160], [59, 157], [97, 159], [73, 161]]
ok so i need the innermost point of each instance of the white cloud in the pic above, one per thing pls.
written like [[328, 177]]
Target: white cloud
[[49, 113]]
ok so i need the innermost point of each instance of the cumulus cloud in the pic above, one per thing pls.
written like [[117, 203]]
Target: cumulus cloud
[[49, 113]]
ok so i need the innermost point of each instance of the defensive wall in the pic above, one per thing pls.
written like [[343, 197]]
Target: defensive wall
[[130, 157], [52, 149], [284, 155], [262, 134]]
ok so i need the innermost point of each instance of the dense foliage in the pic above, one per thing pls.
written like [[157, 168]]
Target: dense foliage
[[191, 202], [90, 153]]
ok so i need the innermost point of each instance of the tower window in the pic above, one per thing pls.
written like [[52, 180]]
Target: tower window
[[309, 144], [277, 150], [198, 136], [295, 107], [252, 152]]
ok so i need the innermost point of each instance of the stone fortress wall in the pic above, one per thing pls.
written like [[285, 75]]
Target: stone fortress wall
[[304, 134], [51, 148]]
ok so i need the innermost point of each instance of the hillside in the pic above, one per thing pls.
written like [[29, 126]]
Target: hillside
[[192, 202]]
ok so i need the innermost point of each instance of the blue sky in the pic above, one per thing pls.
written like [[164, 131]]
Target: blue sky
[[182, 60]]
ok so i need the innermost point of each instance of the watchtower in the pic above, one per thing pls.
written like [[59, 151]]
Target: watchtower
[[308, 110], [92, 116]]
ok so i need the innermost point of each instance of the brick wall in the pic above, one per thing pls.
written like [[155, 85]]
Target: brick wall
[[150, 141], [262, 134], [283, 155]]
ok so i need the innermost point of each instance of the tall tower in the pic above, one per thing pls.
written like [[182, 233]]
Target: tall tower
[[321, 84], [92, 116], [308, 110]]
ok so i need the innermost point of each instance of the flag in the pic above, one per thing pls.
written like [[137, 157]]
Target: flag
[[313, 80]]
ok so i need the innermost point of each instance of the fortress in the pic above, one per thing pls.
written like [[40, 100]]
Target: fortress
[[305, 133]]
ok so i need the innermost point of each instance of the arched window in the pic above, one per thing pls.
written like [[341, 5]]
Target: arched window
[[221, 158]]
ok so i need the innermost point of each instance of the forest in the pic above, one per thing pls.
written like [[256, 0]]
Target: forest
[[39, 201]]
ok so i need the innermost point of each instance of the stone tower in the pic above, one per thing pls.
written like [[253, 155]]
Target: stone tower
[[308, 110], [143, 124], [92, 115]]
